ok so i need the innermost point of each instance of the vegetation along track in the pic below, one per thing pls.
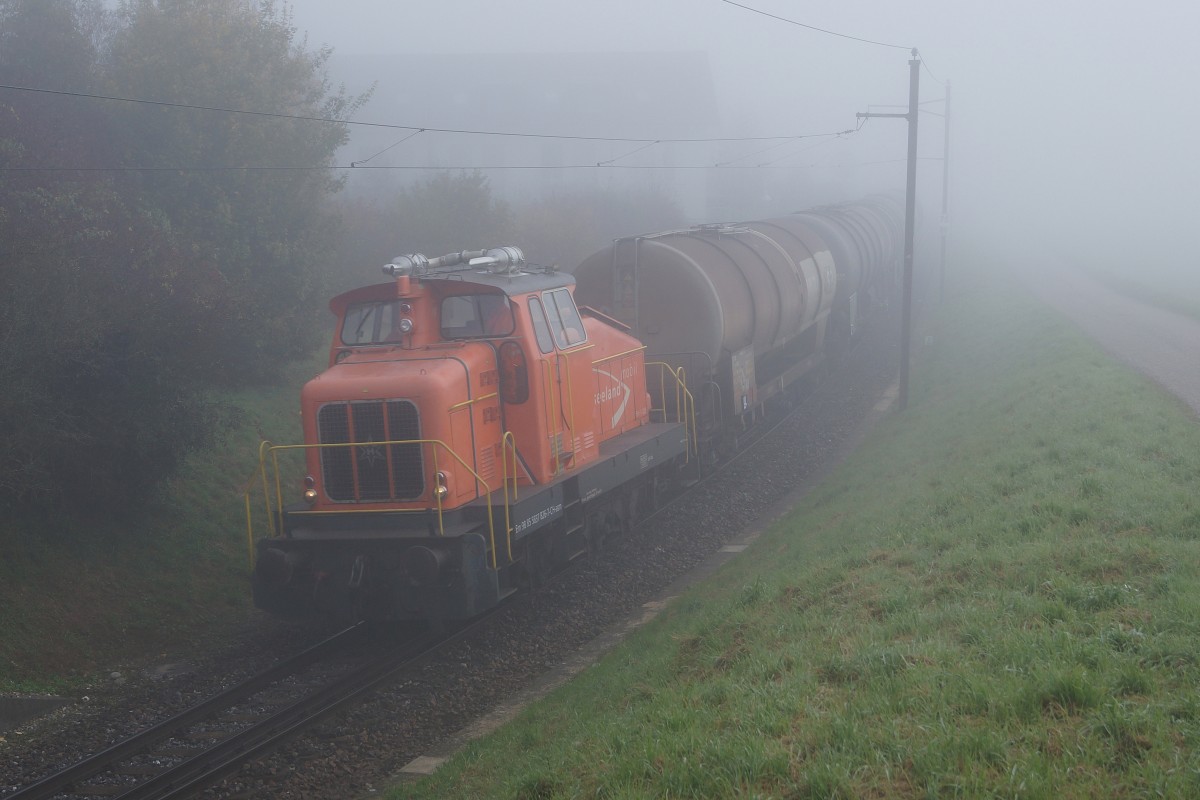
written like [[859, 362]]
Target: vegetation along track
[[423, 710]]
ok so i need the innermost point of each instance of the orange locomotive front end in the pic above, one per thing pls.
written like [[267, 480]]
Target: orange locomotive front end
[[473, 429]]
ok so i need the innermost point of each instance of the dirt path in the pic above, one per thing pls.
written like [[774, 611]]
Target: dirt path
[[1163, 345]]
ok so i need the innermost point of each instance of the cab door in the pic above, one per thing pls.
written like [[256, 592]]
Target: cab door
[[547, 374], [574, 383]]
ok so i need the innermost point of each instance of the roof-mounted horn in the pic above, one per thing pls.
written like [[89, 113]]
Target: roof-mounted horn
[[412, 264], [500, 259]]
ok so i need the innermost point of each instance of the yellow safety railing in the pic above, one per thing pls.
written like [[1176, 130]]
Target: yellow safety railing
[[570, 402], [508, 443], [685, 403], [564, 409], [473, 401], [549, 393], [270, 472]]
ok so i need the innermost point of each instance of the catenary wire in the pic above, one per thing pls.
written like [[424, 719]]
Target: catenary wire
[[916, 52], [384, 150], [611, 161], [417, 128], [818, 30], [447, 168]]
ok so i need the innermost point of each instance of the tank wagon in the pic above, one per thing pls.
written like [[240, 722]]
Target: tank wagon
[[746, 310], [474, 427]]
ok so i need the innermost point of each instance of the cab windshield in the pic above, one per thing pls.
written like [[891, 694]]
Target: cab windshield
[[372, 323]]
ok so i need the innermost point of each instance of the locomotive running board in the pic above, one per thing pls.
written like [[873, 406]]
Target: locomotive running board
[[622, 459]]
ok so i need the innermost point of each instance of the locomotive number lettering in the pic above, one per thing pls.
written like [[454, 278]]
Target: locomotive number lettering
[[541, 516]]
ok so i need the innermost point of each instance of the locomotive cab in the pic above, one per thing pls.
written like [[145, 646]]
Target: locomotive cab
[[468, 404]]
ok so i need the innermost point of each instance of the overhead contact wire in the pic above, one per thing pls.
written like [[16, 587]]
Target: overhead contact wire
[[818, 30], [611, 161], [415, 128], [384, 150]]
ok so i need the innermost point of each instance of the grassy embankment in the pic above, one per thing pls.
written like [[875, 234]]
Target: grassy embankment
[[997, 595], [80, 595]]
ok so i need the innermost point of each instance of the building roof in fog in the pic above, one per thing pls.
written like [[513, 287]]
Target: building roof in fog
[[667, 95]]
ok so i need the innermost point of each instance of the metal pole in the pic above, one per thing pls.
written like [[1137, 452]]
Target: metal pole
[[914, 85], [914, 81], [945, 199]]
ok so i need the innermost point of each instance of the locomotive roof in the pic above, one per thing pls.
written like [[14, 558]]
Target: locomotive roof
[[521, 281], [527, 278]]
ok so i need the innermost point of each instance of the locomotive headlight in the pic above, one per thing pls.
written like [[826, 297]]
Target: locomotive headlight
[[310, 489], [406, 325], [441, 490]]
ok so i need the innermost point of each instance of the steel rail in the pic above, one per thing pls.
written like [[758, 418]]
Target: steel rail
[[227, 757], [141, 742]]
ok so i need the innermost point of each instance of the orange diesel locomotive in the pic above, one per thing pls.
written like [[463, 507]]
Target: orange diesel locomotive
[[474, 429]]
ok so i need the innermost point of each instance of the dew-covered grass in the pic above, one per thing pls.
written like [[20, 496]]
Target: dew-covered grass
[[997, 595]]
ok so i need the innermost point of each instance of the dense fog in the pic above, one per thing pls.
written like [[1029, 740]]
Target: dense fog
[[1073, 118], [188, 181]]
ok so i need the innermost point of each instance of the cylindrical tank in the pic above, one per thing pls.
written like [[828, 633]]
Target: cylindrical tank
[[864, 238], [717, 289], [713, 289]]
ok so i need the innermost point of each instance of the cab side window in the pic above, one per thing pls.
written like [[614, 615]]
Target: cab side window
[[496, 314], [541, 328], [468, 316], [564, 318]]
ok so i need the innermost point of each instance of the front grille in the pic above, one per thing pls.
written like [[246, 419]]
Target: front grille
[[370, 472]]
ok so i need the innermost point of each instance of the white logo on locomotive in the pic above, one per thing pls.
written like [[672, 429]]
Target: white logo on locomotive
[[618, 388]]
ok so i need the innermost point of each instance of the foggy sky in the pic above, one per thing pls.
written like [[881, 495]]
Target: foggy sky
[[1079, 117]]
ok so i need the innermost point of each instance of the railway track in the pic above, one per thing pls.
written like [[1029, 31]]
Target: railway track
[[194, 749]]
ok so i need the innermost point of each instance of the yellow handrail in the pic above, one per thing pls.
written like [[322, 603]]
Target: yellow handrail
[[267, 449], [507, 442], [685, 411], [685, 402], [570, 404], [465, 403], [630, 351], [549, 394]]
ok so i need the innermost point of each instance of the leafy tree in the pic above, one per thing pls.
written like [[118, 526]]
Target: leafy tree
[[99, 398], [263, 235], [45, 330], [126, 296]]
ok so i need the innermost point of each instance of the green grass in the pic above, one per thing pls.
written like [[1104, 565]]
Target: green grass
[[81, 595], [996, 595]]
